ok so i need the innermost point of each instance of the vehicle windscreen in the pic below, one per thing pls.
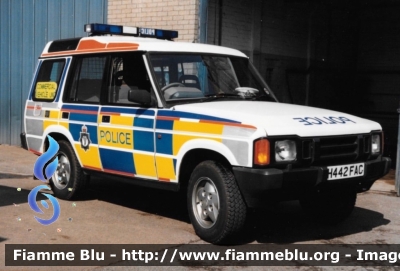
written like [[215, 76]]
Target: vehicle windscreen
[[187, 78]]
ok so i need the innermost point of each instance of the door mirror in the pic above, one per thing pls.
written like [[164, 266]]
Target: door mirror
[[140, 96]]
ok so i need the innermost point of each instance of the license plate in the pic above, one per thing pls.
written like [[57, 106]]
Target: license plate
[[346, 171]]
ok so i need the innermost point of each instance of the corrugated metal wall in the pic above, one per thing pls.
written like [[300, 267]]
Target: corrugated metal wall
[[25, 27]]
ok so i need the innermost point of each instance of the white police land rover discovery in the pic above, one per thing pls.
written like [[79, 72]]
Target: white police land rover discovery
[[128, 101]]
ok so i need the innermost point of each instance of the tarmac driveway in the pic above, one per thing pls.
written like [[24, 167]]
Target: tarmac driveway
[[118, 213]]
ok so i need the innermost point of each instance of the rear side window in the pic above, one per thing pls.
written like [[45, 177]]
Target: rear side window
[[87, 79], [48, 80]]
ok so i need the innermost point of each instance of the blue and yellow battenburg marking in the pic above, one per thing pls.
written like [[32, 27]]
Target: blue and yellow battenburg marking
[[194, 126], [41, 116], [136, 142], [127, 133], [174, 129], [80, 116]]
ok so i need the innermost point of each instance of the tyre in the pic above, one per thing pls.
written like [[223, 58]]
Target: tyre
[[329, 207], [68, 180], [216, 208]]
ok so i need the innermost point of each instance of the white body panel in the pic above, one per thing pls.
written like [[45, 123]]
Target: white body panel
[[285, 119]]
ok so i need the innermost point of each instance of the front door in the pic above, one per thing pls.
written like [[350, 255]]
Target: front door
[[126, 128]]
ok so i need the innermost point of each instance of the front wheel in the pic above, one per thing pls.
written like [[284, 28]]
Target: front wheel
[[68, 179], [216, 207]]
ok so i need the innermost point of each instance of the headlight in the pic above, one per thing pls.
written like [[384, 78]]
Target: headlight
[[285, 150], [375, 144]]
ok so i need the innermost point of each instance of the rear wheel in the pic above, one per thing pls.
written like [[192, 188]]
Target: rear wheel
[[329, 207], [68, 179], [216, 207]]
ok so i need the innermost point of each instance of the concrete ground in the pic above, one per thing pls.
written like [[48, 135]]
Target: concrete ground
[[119, 213]]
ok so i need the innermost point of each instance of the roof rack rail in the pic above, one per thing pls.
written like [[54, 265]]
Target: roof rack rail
[[96, 29]]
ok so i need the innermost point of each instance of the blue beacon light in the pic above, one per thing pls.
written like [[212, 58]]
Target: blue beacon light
[[102, 29]]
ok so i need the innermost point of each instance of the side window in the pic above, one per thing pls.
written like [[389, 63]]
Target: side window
[[48, 80], [128, 74], [87, 80]]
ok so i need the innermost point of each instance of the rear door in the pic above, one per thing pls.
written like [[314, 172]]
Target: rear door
[[79, 112], [42, 106]]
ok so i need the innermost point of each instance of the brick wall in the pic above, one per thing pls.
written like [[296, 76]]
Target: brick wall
[[180, 15]]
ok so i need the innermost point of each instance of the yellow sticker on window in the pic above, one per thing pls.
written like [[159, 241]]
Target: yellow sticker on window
[[45, 90]]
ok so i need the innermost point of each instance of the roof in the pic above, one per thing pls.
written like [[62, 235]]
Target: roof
[[103, 44]]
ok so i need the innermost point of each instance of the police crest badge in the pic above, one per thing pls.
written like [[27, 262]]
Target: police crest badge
[[84, 138]]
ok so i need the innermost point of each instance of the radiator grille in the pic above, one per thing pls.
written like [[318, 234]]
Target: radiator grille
[[339, 149]]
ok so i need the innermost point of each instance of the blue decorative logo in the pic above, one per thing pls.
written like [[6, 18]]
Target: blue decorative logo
[[40, 166], [43, 169], [35, 207]]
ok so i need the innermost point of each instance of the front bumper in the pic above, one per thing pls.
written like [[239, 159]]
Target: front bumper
[[260, 186]]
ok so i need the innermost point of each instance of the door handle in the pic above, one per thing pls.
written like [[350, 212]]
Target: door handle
[[105, 119]]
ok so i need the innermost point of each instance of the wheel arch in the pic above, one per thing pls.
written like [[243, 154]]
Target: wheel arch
[[58, 133], [194, 157]]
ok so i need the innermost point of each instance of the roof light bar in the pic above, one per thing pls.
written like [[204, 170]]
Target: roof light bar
[[101, 29]]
